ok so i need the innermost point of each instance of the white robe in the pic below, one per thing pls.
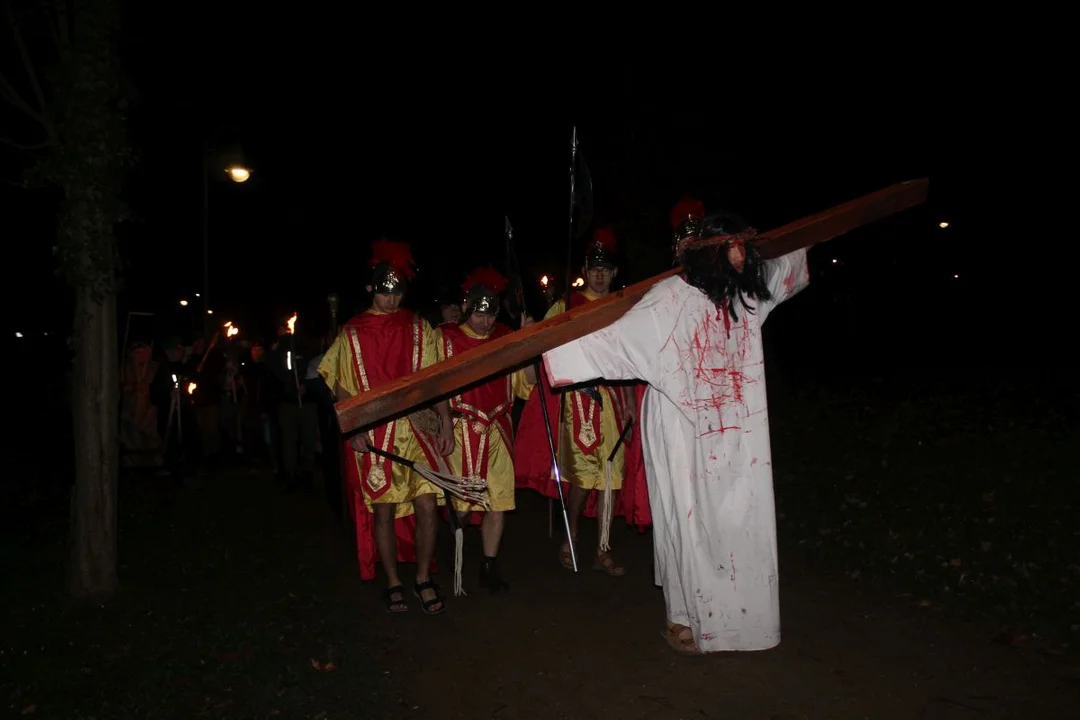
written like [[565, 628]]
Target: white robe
[[708, 460]]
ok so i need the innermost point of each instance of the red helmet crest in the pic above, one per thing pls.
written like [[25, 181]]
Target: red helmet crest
[[686, 209]]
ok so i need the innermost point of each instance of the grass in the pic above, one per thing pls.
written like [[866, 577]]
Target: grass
[[960, 492]]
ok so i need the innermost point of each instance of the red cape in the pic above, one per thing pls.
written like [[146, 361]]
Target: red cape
[[386, 343], [532, 454]]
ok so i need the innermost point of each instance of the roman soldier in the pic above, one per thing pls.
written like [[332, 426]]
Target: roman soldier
[[592, 420], [395, 508], [483, 432]]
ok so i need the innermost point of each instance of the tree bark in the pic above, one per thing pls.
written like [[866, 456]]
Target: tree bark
[[92, 566], [83, 112]]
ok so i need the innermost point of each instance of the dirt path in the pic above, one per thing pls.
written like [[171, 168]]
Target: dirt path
[[589, 646], [241, 603]]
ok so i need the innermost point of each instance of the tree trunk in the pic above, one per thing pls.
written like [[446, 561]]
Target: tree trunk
[[92, 567]]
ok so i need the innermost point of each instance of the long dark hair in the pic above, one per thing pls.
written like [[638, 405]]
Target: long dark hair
[[707, 267]]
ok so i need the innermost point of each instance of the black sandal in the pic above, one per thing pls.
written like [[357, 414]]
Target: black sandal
[[395, 606], [425, 605]]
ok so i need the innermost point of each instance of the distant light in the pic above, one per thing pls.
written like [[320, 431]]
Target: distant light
[[579, 282], [956, 276], [943, 224], [198, 295], [209, 312], [238, 174], [835, 261], [18, 334], [183, 303], [544, 281]]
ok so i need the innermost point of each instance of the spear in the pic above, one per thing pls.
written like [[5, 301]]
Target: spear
[[566, 308], [542, 392]]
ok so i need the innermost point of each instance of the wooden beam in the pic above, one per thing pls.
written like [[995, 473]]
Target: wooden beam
[[518, 348]]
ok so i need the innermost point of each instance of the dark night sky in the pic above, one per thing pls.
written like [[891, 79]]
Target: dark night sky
[[350, 141]]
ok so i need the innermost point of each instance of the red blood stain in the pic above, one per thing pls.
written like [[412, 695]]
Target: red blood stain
[[789, 284], [717, 371]]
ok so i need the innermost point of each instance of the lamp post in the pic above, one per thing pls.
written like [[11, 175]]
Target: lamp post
[[237, 172]]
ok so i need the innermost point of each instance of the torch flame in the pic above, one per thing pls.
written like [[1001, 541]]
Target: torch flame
[[291, 322], [191, 388], [231, 330], [544, 281]]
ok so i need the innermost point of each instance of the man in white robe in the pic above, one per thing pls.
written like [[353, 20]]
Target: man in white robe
[[696, 340]]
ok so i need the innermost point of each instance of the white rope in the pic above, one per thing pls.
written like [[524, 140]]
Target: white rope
[[459, 552], [467, 489], [606, 511]]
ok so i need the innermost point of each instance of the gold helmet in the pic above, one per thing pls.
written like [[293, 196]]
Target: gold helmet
[[483, 288], [686, 219], [392, 266]]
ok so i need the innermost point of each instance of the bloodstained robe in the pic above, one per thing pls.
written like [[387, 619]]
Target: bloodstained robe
[[706, 447], [584, 439], [372, 349], [483, 433]]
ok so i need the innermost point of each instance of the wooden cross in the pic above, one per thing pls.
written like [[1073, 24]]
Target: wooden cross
[[393, 399]]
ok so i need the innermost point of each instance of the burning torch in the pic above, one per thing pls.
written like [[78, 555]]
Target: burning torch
[[289, 364]]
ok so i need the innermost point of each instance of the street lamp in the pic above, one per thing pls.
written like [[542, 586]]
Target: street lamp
[[238, 172]]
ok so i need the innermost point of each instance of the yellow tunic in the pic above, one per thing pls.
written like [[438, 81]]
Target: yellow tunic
[[338, 370], [586, 470], [499, 448]]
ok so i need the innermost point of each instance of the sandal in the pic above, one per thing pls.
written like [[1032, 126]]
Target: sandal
[[395, 606], [426, 605], [565, 557], [604, 562], [680, 638]]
